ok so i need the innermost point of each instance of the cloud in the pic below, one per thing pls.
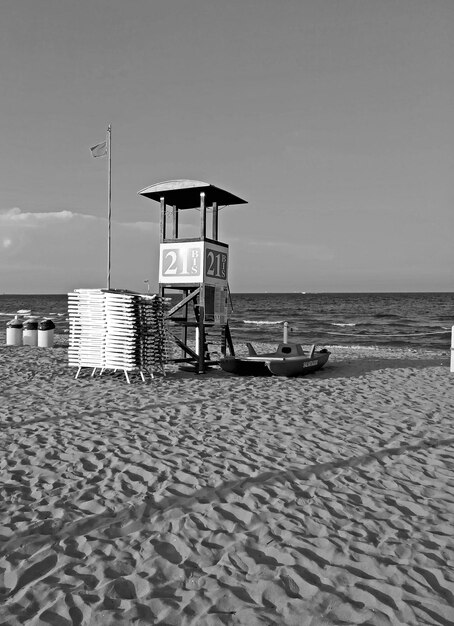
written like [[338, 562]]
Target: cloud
[[148, 226], [62, 250], [16, 215]]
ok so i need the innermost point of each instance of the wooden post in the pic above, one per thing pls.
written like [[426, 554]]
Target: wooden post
[[175, 222], [228, 338], [201, 342], [452, 349], [163, 219], [215, 221], [203, 216], [185, 327], [223, 341], [196, 340], [109, 195]]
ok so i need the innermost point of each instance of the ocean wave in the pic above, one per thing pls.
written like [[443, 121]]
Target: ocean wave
[[342, 324], [352, 346], [263, 322]]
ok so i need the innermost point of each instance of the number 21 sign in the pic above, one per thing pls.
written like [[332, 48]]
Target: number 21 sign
[[193, 262]]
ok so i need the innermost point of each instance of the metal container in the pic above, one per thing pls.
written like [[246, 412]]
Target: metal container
[[46, 333], [30, 334], [14, 332]]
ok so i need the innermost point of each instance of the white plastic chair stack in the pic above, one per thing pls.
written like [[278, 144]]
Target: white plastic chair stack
[[117, 330], [122, 337], [87, 328]]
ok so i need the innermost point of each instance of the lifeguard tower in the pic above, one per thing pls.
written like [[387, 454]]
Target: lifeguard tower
[[194, 268]]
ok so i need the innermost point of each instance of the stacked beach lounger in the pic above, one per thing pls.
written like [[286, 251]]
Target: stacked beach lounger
[[87, 328], [153, 344], [116, 330]]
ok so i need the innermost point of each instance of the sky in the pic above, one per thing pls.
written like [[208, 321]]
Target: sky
[[333, 119]]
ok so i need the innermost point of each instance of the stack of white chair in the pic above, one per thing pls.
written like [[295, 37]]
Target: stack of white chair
[[122, 336], [117, 330], [87, 328]]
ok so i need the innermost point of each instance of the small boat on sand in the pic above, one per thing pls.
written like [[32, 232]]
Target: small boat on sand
[[289, 359]]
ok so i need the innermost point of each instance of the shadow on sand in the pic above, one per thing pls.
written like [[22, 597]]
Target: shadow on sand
[[133, 517], [345, 368]]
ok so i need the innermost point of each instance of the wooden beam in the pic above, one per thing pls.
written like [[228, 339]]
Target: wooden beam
[[163, 218], [228, 338], [215, 231], [180, 304], [203, 216], [201, 342], [185, 328], [175, 221], [185, 348]]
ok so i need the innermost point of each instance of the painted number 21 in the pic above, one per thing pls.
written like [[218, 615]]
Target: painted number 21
[[181, 262], [216, 264]]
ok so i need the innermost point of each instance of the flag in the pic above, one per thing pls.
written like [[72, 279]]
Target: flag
[[99, 150]]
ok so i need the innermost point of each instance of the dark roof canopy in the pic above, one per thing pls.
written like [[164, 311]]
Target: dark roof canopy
[[185, 194]]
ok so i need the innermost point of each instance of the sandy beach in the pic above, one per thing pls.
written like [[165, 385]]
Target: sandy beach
[[215, 499]]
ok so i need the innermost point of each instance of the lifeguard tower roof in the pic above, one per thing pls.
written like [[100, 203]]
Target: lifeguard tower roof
[[185, 194]]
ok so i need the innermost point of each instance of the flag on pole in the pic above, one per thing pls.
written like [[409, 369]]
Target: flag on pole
[[99, 150]]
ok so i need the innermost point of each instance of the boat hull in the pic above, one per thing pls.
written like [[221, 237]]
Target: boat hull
[[267, 365], [295, 366], [243, 367]]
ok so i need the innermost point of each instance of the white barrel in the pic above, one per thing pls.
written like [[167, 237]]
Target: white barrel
[[30, 334], [14, 331], [46, 334]]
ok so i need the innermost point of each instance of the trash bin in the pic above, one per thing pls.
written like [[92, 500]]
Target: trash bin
[[46, 334], [14, 330], [30, 335]]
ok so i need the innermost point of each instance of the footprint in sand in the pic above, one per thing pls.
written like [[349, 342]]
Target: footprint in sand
[[125, 589], [168, 552], [35, 572]]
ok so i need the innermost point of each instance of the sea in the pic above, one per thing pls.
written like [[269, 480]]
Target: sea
[[413, 320]]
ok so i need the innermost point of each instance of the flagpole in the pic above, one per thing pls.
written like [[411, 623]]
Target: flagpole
[[109, 199]]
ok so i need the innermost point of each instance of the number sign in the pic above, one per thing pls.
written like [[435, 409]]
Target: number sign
[[181, 262], [215, 264], [193, 262]]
